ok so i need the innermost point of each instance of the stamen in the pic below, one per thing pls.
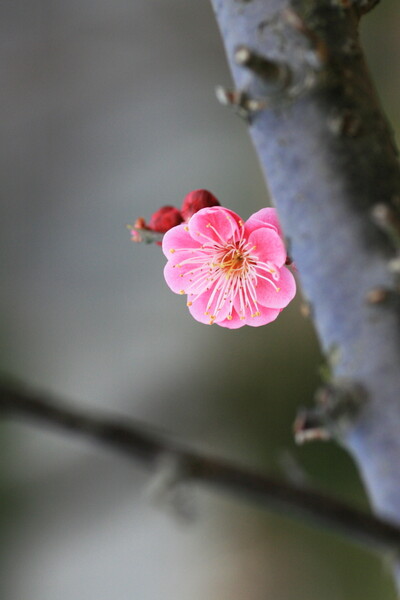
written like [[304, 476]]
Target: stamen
[[276, 288], [217, 233]]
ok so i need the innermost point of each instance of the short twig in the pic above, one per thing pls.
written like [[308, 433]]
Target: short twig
[[273, 73]]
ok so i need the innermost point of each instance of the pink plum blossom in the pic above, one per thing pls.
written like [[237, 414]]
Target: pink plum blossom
[[232, 272]]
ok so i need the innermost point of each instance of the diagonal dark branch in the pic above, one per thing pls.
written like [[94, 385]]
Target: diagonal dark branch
[[146, 446]]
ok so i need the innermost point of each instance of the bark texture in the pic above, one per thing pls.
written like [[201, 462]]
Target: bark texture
[[332, 169]]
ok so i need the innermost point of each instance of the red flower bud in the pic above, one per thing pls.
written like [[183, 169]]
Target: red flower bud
[[140, 223], [165, 218], [196, 200]]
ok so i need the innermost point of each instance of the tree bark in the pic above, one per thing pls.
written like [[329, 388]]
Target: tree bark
[[332, 169]]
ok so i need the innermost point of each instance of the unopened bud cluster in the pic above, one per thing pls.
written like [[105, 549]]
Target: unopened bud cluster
[[167, 217]]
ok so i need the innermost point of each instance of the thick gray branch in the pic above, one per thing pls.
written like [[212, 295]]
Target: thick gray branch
[[329, 159], [145, 446]]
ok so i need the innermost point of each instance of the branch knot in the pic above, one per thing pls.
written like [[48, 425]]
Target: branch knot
[[337, 404]]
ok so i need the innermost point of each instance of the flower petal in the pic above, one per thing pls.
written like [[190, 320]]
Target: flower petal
[[201, 312], [176, 238], [266, 217], [268, 246], [215, 224], [233, 323], [198, 308], [268, 296], [177, 278], [267, 316]]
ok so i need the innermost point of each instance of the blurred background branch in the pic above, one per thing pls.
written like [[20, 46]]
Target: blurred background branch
[[143, 444]]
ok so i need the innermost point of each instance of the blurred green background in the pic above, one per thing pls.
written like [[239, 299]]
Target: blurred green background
[[108, 111]]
